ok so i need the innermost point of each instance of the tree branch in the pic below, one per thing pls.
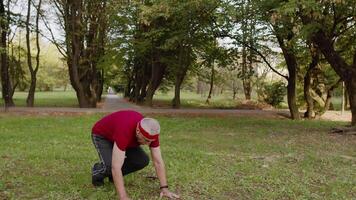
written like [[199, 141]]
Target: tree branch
[[224, 33], [61, 50]]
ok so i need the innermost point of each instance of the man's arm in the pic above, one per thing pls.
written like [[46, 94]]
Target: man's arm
[[118, 158], [161, 172], [159, 165]]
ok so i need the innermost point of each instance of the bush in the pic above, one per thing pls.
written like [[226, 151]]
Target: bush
[[274, 93]]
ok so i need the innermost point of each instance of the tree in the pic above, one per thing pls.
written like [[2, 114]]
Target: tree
[[85, 32], [194, 19], [33, 71], [5, 77], [212, 56], [308, 81], [161, 39], [330, 25], [281, 27], [248, 34]]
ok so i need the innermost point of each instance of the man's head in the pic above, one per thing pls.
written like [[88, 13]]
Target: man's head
[[147, 130]]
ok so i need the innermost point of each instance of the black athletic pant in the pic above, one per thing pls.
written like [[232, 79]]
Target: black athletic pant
[[135, 158]]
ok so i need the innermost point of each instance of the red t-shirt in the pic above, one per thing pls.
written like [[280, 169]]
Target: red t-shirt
[[120, 127]]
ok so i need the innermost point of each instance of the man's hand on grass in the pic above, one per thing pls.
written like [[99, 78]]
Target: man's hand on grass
[[166, 193], [125, 198]]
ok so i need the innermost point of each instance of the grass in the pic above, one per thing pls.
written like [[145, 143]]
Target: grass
[[193, 100], [50, 157], [47, 99], [188, 100], [337, 103]]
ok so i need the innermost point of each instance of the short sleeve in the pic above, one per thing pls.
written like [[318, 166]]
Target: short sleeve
[[155, 143]]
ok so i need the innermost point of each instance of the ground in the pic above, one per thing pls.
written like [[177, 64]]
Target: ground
[[46, 153], [113, 103], [49, 157]]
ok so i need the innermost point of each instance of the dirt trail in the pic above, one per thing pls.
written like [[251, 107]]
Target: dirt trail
[[114, 103]]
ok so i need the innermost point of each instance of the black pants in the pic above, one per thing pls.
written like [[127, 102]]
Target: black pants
[[135, 158]]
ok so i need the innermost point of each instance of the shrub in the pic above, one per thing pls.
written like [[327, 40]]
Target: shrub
[[274, 93]]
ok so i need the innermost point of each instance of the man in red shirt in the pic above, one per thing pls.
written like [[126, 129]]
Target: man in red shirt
[[117, 138]]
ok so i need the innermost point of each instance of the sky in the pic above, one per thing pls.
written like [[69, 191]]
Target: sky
[[20, 7]]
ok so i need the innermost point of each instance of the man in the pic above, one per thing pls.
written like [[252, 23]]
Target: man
[[117, 138]]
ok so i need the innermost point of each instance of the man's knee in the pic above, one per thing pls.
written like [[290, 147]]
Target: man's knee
[[145, 160], [142, 161]]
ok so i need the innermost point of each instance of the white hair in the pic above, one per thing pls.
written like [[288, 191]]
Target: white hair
[[150, 125]]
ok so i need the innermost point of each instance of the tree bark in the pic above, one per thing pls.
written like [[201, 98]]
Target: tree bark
[[184, 62], [83, 40], [5, 76], [30, 97], [158, 71], [177, 87], [251, 55], [245, 71], [351, 89], [33, 72], [291, 62], [329, 92], [102, 35], [346, 99], [308, 81], [345, 71], [138, 81], [100, 86], [211, 82]]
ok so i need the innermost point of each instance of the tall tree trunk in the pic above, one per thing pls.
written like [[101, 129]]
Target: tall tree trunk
[[291, 95], [346, 104], [100, 86], [143, 89], [128, 88], [234, 89], [33, 72], [137, 85], [340, 66], [251, 54], [177, 86], [244, 70], [30, 97], [157, 74], [184, 62], [308, 81], [327, 103], [5, 76], [212, 76], [102, 35], [12, 62], [291, 62], [76, 39], [82, 26], [351, 89]]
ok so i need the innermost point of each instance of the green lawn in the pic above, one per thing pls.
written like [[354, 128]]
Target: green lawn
[[207, 158], [47, 99], [193, 100]]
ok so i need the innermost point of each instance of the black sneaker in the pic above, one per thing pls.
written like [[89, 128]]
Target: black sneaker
[[97, 179]]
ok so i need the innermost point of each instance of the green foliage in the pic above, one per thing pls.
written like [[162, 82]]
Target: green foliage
[[52, 73], [275, 93]]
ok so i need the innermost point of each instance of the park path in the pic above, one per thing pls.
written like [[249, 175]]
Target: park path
[[114, 103]]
